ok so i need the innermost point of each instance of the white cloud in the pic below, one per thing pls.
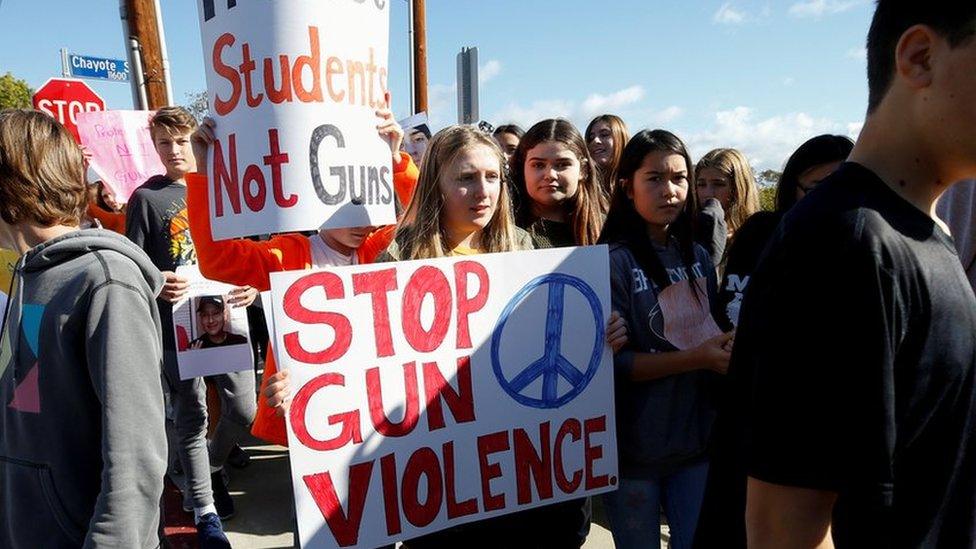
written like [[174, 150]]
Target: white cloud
[[489, 70], [625, 102], [818, 8], [860, 53], [665, 116], [767, 142], [728, 15], [441, 105], [854, 129], [789, 81], [597, 104]]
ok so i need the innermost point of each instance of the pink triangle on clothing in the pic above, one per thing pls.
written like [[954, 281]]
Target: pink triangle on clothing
[[27, 395]]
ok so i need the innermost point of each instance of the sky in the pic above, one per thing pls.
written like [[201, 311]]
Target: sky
[[758, 75]]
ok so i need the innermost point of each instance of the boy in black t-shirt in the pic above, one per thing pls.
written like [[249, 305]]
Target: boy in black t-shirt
[[854, 368]]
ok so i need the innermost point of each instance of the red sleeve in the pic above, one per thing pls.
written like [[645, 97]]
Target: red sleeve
[[240, 262]]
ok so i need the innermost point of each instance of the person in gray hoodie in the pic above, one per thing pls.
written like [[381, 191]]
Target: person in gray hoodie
[[82, 440]]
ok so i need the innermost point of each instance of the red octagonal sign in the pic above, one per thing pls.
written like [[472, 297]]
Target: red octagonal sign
[[64, 98]]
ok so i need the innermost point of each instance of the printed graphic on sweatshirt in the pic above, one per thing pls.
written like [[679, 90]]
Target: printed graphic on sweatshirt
[[180, 243], [681, 316], [27, 395], [736, 286]]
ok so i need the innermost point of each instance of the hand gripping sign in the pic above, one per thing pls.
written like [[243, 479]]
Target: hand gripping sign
[[433, 393], [293, 86]]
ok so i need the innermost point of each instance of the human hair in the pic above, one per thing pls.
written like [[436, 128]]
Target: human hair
[[745, 194], [626, 226], [513, 129], [42, 172], [620, 136], [822, 149], [954, 20], [585, 209], [420, 234], [173, 120]]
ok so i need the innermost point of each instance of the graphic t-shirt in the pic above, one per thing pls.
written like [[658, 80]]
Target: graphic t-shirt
[[662, 424], [854, 367], [740, 262], [157, 222]]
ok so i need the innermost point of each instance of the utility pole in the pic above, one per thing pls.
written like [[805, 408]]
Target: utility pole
[[142, 25], [419, 20]]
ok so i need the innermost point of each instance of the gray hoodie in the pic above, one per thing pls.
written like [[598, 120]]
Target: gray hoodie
[[82, 440]]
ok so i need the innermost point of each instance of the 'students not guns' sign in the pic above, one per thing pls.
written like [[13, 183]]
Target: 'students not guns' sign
[[293, 86], [433, 393]]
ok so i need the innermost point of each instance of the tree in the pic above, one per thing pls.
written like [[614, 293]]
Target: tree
[[767, 198], [197, 104], [14, 93]]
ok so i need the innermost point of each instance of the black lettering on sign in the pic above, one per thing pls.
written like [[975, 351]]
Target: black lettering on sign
[[318, 135], [208, 8]]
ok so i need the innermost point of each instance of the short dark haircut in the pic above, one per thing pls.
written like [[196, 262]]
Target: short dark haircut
[[955, 20], [513, 129], [816, 151]]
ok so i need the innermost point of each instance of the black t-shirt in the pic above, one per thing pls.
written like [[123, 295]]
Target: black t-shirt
[[854, 366], [231, 339], [741, 260]]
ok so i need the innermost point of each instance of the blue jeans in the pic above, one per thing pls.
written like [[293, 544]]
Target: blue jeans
[[634, 510]]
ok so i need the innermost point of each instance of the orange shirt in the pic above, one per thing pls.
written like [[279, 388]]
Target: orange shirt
[[110, 220], [245, 262]]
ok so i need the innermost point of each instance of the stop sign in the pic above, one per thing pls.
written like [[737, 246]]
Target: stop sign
[[64, 98]]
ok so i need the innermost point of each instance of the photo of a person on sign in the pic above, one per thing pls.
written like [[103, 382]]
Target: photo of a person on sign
[[213, 322]]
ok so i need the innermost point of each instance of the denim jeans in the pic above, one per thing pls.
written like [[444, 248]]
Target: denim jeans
[[634, 509]]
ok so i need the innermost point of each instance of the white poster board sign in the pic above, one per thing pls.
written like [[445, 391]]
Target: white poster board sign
[[293, 86], [212, 337], [433, 393]]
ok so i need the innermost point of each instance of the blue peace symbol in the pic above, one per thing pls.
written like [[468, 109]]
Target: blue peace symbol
[[552, 365]]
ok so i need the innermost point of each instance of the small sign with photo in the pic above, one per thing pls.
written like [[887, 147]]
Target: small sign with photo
[[212, 336]]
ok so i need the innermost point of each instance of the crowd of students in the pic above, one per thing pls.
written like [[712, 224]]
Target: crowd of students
[[790, 378]]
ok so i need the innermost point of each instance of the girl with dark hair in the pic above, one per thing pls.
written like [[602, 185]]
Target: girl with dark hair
[[662, 283], [813, 161], [606, 136], [508, 136], [560, 202]]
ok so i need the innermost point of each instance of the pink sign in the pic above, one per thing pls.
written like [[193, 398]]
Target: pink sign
[[122, 152]]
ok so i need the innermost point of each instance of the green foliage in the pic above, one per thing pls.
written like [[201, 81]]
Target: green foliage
[[14, 93], [767, 198]]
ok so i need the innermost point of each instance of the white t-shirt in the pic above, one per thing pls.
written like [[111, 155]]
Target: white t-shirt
[[324, 256]]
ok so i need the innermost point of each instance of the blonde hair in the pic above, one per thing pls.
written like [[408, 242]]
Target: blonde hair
[[745, 193], [420, 235], [42, 173], [174, 120], [618, 128]]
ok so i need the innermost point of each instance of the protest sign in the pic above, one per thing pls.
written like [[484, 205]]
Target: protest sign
[[294, 86], [122, 151], [433, 393], [211, 337], [8, 262]]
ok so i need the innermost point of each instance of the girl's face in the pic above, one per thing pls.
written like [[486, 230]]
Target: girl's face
[[659, 188], [712, 183], [508, 143], [812, 176], [552, 173], [109, 197], [600, 143], [470, 187]]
